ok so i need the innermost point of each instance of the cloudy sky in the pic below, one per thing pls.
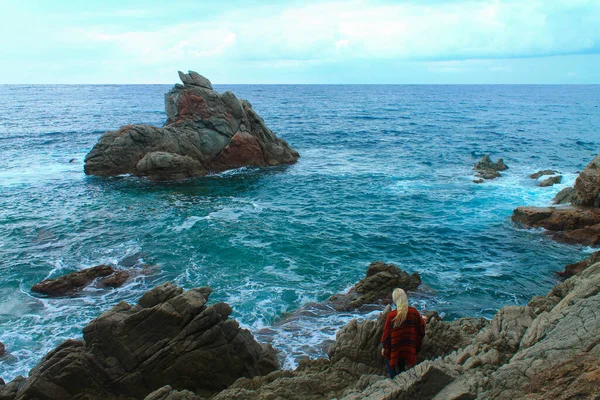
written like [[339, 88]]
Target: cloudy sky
[[363, 41]]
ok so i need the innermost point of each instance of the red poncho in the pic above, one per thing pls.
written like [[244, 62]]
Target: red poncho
[[404, 341]]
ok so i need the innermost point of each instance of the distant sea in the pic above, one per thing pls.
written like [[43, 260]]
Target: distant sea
[[385, 174]]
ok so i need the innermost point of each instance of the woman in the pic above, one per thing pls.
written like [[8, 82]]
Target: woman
[[402, 335]]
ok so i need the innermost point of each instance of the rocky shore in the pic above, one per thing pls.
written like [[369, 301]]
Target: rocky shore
[[205, 132], [577, 222], [172, 345]]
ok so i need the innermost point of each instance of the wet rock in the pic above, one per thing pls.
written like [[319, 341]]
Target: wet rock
[[587, 185], [205, 132], [565, 196], [541, 173], [169, 338], [2, 349], [478, 181], [376, 287], [487, 169], [114, 280], [73, 282], [551, 181], [567, 224]]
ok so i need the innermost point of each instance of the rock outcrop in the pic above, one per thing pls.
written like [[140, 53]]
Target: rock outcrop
[[487, 169], [205, 132], [376, 287], [70, 284], [541, 173], [169, 338], [551, 181], [578, 223]]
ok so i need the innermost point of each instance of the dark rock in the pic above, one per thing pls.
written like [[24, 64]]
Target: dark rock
[[565, 196], [72, 160], [587, 185], [568, 224], [478, 181], [168, 393], [9, 391], [205, 132], [542, 173], [488, 174], [376, 287], [486, 163], [114, 280], [71, 283], [2, 349], [169, 338], [551, 181]]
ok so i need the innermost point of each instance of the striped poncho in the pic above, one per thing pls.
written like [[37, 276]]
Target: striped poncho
[[405, 341]]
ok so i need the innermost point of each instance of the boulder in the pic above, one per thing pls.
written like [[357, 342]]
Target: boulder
[[206, 132], [587, 185], [541, 173], [71, 283], [487, 169], [171, 337], [551, 181], [565, 196], [376, 287]]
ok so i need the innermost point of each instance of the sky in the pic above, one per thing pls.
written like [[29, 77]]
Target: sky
[[301, 42]]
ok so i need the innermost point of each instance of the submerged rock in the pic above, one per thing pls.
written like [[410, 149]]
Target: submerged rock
[[541, 173], [73, 282], [205, 132], [169, 338], [376, 287], [487, 169]]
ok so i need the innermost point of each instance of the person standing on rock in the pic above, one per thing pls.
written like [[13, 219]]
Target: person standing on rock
[[403, 334]]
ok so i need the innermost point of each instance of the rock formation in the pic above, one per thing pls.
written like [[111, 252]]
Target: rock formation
[[172, 347], [551, 181], [541, 173], [578, 223], [376, 287], [67, 285], [169, 338], [205, 132], [486, 169]]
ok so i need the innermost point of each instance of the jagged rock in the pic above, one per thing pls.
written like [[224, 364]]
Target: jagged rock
[[205, 132], [168, 393], [71, 283], [376, 287], [486, 163], [542, 173], [551, 181], [442, 337], [567, 224], [587, 185], [578, 267], [169, 338], [117, 279], [488, 174], [565, 196]]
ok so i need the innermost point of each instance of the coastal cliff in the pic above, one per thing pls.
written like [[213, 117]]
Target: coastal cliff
[[206, 132], [172, 346]]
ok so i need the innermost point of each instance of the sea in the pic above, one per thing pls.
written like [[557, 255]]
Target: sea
[[385, 174]]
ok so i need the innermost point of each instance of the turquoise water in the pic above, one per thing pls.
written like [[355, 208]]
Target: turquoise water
[[385, 174]]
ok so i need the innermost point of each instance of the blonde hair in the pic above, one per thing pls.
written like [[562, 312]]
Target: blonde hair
[[401, 301]]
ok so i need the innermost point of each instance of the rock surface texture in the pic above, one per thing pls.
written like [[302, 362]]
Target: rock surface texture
[[576, 224], [169, 338], [376, 287], [205, 132], [486, 169]]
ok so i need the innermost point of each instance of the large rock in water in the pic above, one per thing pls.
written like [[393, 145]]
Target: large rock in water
[[587, 185], [376, 287], [69, 284], [169, 338], [205, 132]]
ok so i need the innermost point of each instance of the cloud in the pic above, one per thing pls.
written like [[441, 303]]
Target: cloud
[[363, 30]]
